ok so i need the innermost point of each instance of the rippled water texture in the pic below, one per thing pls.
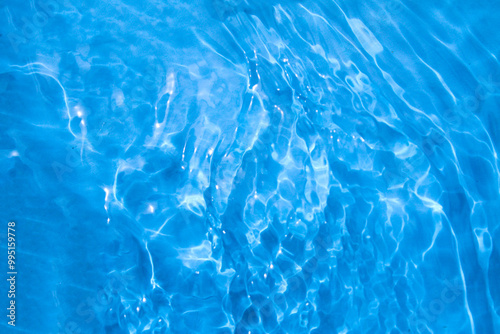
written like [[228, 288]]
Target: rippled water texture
[[230, 166]]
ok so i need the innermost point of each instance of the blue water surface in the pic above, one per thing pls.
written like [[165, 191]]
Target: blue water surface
[[238, 166]]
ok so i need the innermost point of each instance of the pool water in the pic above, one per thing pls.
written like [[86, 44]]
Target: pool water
[[237, 166]]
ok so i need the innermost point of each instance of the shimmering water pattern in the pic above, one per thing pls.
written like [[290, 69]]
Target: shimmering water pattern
[[248, 167]]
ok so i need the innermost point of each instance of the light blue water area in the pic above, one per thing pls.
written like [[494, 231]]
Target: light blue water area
[[231, 166]]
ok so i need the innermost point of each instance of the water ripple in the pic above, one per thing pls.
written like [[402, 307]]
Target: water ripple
[[225, 166]]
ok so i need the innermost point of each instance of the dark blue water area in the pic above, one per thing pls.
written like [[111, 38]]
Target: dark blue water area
[[231, 166]]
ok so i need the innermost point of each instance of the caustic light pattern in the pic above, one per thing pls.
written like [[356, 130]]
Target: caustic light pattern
[[231, 166]]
